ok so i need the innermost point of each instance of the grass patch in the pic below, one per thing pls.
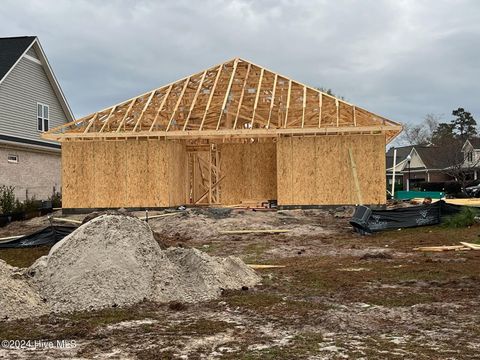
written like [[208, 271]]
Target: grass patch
[[464, 218]]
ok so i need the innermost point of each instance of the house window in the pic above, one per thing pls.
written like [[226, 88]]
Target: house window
[[43, 114], [12, 158], [470, 156]]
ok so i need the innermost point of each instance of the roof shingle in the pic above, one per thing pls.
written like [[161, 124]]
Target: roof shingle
[[11, 49]]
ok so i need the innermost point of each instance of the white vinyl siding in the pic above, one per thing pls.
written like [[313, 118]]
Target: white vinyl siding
[[25, 86]]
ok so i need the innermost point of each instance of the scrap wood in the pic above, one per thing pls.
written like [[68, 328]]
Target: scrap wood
[[67, 220], [8, 238], [160, 216], [440, 248], [254, 231], [261, 266], [465, 246], [470, 245]]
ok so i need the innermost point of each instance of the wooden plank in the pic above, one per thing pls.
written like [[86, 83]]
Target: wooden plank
[[160, 108], [210, 97], [272, 100], [242, 94], [257, 96], [227, 93], [194, 101], [180, 98], [262, 266], [470, 245], [255, 231], [143, 110], [304, 105], [289, 93], [355, 177], [126, 115], [320, 104]]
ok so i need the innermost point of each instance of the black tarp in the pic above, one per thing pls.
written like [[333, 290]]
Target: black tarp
[[47, 236], [367, 220]]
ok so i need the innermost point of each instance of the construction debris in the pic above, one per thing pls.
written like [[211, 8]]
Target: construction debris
[[114, 260], [253, 231], [463, 247], [261, 266]]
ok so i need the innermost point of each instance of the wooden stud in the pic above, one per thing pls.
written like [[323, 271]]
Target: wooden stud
[[194, 101], [227, 93], [304, 106], [257, 96], [338, 115], [126, 115], [354, 117], [143, 110], [210, 97], [108, 118], [95, 116], [320, 104], [272, 101], [160, 108], [240, 101], [288, 102], [180, 98]]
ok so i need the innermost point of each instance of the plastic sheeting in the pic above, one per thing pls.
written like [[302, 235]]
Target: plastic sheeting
[[366, 220], [47, 236]]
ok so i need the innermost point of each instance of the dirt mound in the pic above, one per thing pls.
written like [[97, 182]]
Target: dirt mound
[[202, 277], [114, 260], [17, 299]]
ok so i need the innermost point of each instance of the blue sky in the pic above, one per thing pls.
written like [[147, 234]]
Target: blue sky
[[400, 59]]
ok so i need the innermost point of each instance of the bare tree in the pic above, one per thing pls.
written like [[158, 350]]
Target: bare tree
[[457, 163], [421, 134]]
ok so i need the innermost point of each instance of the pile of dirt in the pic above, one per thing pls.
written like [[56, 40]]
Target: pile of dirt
[[17, 299], [114, 260]]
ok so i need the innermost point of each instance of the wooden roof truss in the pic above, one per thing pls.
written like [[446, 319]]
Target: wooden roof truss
[[236, 99]]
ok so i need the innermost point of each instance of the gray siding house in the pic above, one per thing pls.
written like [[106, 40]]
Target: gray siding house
[[31, 102]]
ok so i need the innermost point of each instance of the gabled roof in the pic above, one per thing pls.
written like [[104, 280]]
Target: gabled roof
[[432, 157], [402, 153], [12, 49], [234, 99], [429, 155], [475, 142]]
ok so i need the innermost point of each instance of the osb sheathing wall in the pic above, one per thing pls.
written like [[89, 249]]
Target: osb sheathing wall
[[123, 173], [318, 170], [250, 172]]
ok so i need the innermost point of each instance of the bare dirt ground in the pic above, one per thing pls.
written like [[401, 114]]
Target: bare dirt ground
[[339, 296]]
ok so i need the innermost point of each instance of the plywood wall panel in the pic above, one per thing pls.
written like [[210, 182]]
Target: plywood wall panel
[[321, 172], [284, 171], [124, 173], [250, 172]]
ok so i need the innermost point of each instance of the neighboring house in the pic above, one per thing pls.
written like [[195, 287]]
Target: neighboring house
[[31, 102], [471, 152], [417, 163]]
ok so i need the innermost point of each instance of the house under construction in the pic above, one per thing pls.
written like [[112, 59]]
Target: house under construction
[[233, 133]]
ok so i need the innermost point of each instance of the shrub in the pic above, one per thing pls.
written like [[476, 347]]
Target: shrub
[[453, 187], [431, 186], [7, 199], [464, 218], [56, 200], [30, 204]]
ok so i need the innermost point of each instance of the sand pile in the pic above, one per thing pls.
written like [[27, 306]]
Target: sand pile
[[17, 299], [115, 260]]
